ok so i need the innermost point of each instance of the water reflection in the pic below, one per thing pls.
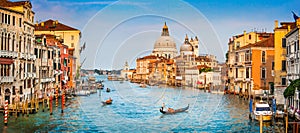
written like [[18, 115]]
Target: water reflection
[[136, 109]]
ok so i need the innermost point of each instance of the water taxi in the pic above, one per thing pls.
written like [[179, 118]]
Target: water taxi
[[263, 109]]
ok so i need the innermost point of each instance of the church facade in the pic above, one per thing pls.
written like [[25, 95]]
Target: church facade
[[166, 66]]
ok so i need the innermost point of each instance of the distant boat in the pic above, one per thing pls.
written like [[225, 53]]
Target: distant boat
[[82, 93], [107, 102], [107, 90], [143, 85], [175, 111]]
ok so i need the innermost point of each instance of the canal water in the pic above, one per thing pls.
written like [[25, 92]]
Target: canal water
[[136, 109]]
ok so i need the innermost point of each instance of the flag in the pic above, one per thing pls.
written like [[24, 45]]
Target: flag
[[83, 47], [295, 16]]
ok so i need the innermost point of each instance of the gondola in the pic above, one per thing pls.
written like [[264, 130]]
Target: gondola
[[107, 102], [175, 111]]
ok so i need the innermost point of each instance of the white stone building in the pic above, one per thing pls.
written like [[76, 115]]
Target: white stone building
[[210, 79], [293, 52], [186, 65], [16, 51]]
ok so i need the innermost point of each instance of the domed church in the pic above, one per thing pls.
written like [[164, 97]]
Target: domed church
[[186, 48], [165, 45]]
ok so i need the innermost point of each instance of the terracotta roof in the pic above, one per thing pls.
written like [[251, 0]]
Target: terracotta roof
[[264, 43], [261, 35], [202, 66], [53, 26], [6, 3], [203, 58], [147, 57]]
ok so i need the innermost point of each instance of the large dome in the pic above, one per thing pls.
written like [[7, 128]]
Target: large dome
[[165, 45], [165, 42]]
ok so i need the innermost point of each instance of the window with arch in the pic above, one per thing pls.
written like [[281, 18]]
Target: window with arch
[[20, 42], [8, 40], [263, 73], [13, 43], [2, 41], [263, 56]]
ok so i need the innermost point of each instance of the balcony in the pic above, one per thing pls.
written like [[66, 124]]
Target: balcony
[[248, 79], [22, 55], [48, 79], [248, 62], [33, 75], [25, 75], [7, 79], [3, 53], [33, 57], [240, 79], [240, 64], [12, 54]]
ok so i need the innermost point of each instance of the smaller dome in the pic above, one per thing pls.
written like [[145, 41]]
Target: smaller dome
[[186, 46]]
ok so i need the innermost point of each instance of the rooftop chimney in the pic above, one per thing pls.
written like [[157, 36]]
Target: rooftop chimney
[[276, 24]]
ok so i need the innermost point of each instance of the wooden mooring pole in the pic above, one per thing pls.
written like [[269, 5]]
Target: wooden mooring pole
[[260, 123]]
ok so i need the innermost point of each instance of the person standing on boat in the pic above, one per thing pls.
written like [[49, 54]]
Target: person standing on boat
[[274, 105], [250, 107], [163, 106]]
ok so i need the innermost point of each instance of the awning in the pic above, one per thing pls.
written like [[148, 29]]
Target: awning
[[6, 61]]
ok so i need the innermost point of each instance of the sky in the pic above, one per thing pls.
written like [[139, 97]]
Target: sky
[[119, 31]]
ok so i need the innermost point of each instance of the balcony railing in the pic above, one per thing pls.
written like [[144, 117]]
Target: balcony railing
[[239, 79], [33, 75], [12, 54], [7, 79], [43, 80]]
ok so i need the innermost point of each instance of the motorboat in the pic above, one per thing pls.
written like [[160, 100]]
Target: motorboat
[[143, 85], [82, 93], [263, 109], [291, 111]]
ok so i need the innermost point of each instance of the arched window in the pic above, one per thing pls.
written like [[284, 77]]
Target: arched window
[[20, 43], [2, 41], [13, 43], [8, 42], [263, 56], [5, 41], [24, 45]]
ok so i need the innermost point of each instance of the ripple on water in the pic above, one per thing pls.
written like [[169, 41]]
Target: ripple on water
[[136, 109]]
